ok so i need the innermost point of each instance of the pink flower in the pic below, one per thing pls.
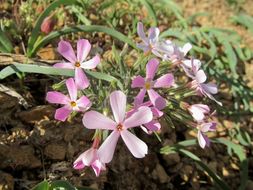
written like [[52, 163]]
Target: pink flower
[[96, 120], [148, 84], [203, 128], [154, 124], [77, 62], [198, 111], [89, 158], [71, 103], [151, 42], [192, 68], [174, 53]]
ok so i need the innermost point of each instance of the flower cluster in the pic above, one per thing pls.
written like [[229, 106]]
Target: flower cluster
[[145, 111]]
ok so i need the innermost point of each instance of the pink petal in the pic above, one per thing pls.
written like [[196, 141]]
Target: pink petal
[[197, 114], [84, 103], [153, 34], [140, 97], [141, 116], [92, 63], [186, 48], [210, 126], [71, 86], [210, 88], [55, 97], [97, 166], [62, 113], [146, 48], [118, 105], [140, 32], [136, 146], [81, 79], [66, 50], [78, 165], [83, 49], [151, 68], [200, 76], [138, 82], [153, 125], [164, 81], [64, 65], [203, 140], [106, 150], [158, 101], [96, 120], [86, 158], [156, 112]]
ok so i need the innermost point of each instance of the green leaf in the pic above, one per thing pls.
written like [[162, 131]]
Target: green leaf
[[150, 9], [44, 185], [61, 185], [5, 43], [80, 28], [36, 30], [29, 68]]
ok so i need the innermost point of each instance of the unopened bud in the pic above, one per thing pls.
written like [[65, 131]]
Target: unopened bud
[[48, 24]]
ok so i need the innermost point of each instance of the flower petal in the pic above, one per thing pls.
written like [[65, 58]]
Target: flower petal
[[141, 116], [118, 105], [81, 79], [140, 97], [144, 47], [210, 88], [153, 125], [200, 76], [66, 50], [151, 68], [186, 48], [107, 149], [78, 164], [96, 120], [140, 32], [158, 101], [136, 146], [210, 126], [62, 113], [164, 81], [203, 140], [55, 97], [71, 86], [138, 82], [92, 63], [64, 65], [97, 166], [83, 103], [83, 49], [153, 34]]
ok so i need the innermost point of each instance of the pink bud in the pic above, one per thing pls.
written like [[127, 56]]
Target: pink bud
[[47, 25]]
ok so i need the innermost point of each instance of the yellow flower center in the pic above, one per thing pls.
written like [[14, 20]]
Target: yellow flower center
[[147, 85], [119, 127], [73, 103], [77, 64]]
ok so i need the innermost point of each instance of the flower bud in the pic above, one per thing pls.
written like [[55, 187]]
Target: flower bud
[[48, 24]]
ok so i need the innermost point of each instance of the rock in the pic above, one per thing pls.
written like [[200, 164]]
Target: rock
[[186, 172], [6, 181], [171, 159], [37, 114], [18, 157], [55, 151], [161, 174]]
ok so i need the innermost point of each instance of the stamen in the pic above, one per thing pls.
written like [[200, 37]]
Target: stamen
[[147, 85], [73, 103], [77, 64], [120, 127]]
